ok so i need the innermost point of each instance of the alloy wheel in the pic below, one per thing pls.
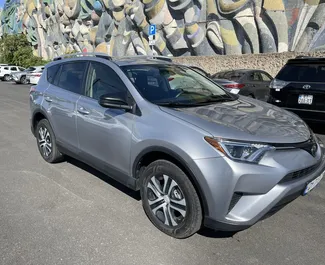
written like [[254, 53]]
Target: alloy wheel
[[44, 141], [166, 200]]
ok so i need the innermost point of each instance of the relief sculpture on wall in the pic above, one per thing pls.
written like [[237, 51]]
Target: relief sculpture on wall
[[184, 27]]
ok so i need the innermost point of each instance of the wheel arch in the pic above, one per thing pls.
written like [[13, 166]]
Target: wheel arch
[[155, 153], [38, 115]]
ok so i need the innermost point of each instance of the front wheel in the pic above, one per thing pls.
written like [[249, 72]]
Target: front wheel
[[170, 200]]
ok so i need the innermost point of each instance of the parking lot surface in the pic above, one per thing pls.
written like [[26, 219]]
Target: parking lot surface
[[68, 213]]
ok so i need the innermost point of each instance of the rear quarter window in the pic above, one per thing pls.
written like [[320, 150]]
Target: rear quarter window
[[302, 73], [52, 73]]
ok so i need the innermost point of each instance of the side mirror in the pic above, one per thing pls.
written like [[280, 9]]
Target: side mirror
[[113, 103]]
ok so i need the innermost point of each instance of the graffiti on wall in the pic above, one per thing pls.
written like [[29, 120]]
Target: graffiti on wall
[[184, 27]]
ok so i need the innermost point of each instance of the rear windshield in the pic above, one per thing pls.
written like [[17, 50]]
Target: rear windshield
[[302, 73], [231, 75]]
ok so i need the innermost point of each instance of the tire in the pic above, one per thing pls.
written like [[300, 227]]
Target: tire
[[6, 78], [23, 80], [157, 198], [45, 137]]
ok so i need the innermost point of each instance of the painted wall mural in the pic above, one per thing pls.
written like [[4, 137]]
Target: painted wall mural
[[184, 27]]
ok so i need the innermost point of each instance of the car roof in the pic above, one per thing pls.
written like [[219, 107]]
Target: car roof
[[306, 59], [120, 61]]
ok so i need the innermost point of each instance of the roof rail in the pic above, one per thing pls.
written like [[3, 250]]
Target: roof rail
[[156, 57], [81, 54]]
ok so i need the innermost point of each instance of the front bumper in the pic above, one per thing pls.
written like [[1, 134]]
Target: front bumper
[[238, 195]]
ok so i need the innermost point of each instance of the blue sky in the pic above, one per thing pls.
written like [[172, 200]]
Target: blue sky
[[1, 3]]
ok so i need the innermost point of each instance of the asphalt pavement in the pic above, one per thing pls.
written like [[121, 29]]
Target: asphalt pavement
[[68, 213]]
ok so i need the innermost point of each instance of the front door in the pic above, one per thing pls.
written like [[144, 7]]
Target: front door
[[105, 135], [60, 101]]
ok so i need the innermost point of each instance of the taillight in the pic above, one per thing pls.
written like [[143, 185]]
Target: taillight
[[32, 89], [234, 85], [171, 79], [38, 75], [278, 84]]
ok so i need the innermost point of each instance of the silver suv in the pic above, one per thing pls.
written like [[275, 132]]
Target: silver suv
[[198, 154]]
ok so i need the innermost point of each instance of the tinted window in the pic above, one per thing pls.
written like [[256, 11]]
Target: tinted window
[[302, 73], [21, 69], [255, 77], [51, 73], [13, 68], [71, 76], [234, 76], [6, 68], [164, 84], [103, 80], [29, 69]]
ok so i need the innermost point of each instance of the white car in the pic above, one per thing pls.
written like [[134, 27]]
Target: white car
[[34, 77], [7, 71]]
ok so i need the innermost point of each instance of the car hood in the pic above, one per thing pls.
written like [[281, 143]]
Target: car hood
[[245, 119]]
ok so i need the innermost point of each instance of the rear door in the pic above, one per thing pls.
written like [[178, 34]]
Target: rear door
[[60, 100], [304, 86], [256, 85]]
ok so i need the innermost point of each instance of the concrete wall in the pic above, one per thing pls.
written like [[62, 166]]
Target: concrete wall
[[185, 27], [271, 63]]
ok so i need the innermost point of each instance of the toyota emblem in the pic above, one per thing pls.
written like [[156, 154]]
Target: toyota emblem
[[306, 87]]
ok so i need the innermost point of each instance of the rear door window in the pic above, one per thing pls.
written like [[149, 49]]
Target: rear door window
[[302, 73], [71, 76], [255, 77], [52, 72]]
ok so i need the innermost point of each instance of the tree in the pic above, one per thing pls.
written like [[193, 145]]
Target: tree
[[15, 49]]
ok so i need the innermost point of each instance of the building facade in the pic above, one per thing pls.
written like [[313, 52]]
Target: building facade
[[184, 27]]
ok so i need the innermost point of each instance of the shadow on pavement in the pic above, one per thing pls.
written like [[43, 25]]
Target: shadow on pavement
[[134, 194], [207, 232]]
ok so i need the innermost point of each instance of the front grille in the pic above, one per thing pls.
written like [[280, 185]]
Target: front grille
[[234, 200], [300, 173]]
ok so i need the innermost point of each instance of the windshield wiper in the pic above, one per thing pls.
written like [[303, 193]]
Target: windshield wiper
[[176, 104]]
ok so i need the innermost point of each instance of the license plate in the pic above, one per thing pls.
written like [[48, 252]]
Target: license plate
[[305, 99], [311, 185]]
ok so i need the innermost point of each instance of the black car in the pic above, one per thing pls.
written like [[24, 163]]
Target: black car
[[300, 87], [252, 83]]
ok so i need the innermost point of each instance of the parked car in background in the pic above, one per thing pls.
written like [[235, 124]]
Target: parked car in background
[[252, 83], [7, 71], [232, 86], [34, 77], [300, 87], [21, 77]]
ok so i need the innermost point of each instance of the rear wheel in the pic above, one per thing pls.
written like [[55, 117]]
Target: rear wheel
[[46, 142], [23, 80], [170, 200], [7, 78]]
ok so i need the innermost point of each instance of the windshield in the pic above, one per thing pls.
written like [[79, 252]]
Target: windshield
[[174, 85], [302, 73]]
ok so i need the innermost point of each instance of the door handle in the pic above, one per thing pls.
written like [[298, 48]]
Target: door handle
[[48, 99], [83, 111]]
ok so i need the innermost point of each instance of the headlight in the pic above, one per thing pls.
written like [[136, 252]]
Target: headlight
[[239, 151]]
